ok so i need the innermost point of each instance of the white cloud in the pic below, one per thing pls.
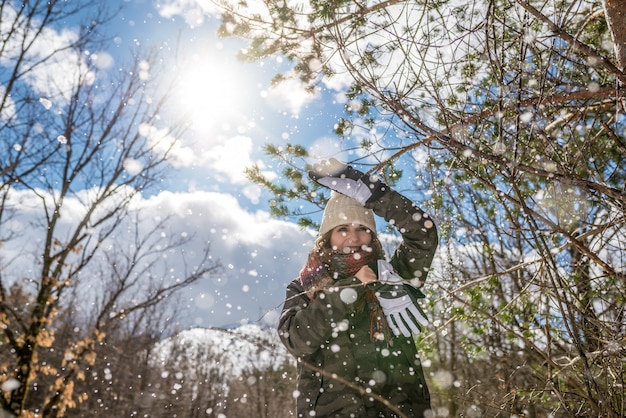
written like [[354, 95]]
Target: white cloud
[[230, 157], [252, 192], [290, 95], [160, 140], [260, 254], [226, 157], [219, 215], [245, 242], [63, 65], [194, 12]]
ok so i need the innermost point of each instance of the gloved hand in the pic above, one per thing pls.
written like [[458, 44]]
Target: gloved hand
[[398, 299], [348, 181]]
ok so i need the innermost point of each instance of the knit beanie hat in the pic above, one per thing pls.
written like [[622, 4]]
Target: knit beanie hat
[[341, 210]]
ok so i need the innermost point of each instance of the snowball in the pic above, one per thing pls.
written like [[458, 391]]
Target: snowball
[[348, 295], [102, 60], [443, 379], [526, 117], [10, 384], [204, 301], [132, 166]]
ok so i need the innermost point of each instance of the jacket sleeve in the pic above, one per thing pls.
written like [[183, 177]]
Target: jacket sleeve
[[414, 255], [305, 324]]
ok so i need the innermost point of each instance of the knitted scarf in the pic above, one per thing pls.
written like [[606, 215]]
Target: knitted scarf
[[317, 275]]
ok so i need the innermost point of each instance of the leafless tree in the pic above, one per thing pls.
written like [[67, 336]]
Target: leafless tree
[[81, 141], [265, 388]]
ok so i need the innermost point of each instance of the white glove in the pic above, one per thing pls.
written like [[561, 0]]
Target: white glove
[[398, 299], [348, 181]]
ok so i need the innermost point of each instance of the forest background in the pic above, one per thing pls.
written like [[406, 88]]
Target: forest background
[[504, 119]]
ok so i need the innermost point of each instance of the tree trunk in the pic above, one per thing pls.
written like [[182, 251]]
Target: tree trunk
[[615, 11]]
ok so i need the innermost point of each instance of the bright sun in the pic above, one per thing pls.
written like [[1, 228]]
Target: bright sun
[[211, 94]]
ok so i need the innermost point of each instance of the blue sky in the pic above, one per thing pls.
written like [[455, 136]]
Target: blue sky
[[206, 197], [232, 104], [236, 113]]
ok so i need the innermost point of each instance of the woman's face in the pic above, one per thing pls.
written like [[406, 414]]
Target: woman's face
[[349, 238]]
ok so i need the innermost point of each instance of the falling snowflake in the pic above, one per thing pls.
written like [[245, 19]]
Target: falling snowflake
[[132, 166], [47, 104]]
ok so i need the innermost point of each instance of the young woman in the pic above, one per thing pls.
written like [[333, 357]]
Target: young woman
[[351, 317]]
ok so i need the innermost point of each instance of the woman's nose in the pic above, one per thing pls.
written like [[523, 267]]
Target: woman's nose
[[352, 236]]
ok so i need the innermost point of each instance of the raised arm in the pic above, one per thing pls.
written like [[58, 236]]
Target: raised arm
[[414, 255]]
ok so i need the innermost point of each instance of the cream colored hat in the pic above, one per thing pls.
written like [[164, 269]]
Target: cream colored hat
[[342, 210]]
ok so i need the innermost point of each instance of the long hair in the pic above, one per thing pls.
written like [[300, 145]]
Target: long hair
[[324, 249]]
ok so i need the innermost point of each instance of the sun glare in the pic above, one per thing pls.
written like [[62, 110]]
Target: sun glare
[[211, 95]]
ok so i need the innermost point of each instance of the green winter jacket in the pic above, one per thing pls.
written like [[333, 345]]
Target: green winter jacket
[[331, 338]]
